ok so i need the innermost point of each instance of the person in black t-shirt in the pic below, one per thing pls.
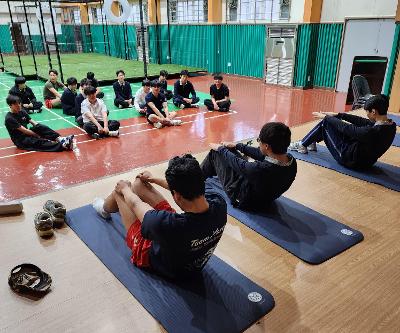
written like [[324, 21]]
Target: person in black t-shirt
[[171, 244], [219, 96], [95, 84], [123, 91], [26, 95], [253, 185], [184, 93], [39, 137], [356, 143], [163, 88], [68, 97], [157, 108]]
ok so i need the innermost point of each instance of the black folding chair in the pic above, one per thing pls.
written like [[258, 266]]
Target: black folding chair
[[361, 91]]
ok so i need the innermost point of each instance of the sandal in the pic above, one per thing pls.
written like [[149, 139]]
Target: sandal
[[29, 278]]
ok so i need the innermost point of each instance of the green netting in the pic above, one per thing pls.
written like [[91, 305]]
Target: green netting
[[5, 39]]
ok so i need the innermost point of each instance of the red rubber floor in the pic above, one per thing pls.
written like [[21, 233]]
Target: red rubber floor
[[24, 174]]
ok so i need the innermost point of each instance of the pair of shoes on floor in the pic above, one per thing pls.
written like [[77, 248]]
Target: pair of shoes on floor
[[67, 142], [173, 122], [298, 146], [98, 205], [52, 217], [98, 136], [28, 278]]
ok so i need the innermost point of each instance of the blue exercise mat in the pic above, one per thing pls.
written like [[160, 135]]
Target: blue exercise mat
[[220, 299], [396, 141], [307, 234], [380, 173], [395, 118]]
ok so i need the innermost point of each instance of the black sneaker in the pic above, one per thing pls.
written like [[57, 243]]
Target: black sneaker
[[57, 212], [27, 278], [44, 224], [96, 136]]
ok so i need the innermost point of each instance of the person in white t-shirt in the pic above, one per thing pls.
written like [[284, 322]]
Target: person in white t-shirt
[[94, 114], [140, 97]]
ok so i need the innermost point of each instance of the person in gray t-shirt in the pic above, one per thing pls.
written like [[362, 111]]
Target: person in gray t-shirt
[[51, 95]]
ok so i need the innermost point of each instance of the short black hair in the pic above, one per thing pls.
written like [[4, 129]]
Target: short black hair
[[277, 136], [379, 102], [185, 72], [163, 73], [146, 83], [90, 75], [85, 82], [89, 90], [20, 80], [119, 71], [12, 99], [53, 71], [71, 81], [184, 176], [155, 83], [218, 77]]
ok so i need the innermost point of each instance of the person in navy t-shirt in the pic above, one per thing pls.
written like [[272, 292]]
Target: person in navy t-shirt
[[157, 108], [171, 244]]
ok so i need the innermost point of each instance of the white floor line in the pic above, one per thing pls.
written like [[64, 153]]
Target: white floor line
[[123, 134]]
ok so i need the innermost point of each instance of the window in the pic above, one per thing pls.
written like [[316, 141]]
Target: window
[[264, 10], [77, 16], [94, 16], [188, 10], [135, 13]]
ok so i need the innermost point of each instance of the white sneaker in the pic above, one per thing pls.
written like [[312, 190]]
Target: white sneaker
[[176, 122], [98, 204], [312, 147], [182, 106], [113, 133], [297, 146], [195, 105], [158, 125]]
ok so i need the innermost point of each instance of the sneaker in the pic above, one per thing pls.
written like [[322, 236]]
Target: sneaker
[[26, 278], [195, 105], [312, 147], [64, 142], [182, 106], [30, 111], [113, 133], [96, 136], [176, 122], [69, 141], [57, 211], [44, 224], [40, 110], [158, 125], [297, 146], [98, 204]]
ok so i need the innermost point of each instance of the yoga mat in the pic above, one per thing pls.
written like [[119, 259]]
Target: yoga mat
[[220, 299], [395, 118], [305, 233], [396, 141], [380, 173]]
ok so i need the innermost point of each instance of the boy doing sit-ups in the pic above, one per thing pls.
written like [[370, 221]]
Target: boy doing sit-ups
[[171, 244]]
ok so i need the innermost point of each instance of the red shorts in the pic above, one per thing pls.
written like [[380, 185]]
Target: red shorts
[[48, 103], [139, 245]]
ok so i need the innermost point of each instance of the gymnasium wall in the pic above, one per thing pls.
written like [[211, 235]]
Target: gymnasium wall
[[337, 10], [317, 55], [232, 49], [392, 62]]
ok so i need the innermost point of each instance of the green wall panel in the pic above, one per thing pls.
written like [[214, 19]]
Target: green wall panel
[[392, 62], [5, 39], [211, 46], [317, 55]]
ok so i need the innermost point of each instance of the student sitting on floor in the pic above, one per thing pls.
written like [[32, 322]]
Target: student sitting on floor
[[170, 244], [79, 99], [219, 96], [356, 143], [182, 90], [157, 108], [140, 97], [163, 89], [95, 83], [252, 185], [123, 91], [26, 95], [38, 137], [95, 119], [51, 95], [68, 97]]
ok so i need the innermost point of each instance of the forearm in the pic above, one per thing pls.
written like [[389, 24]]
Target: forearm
[[160, 182], [252, 152], [27, 132], [93, 119]]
